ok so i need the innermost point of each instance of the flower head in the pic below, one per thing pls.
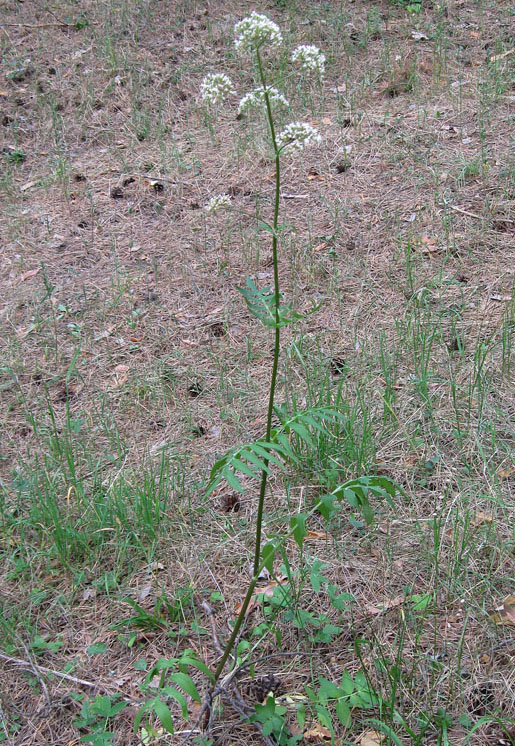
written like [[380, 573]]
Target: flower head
[[215, 87], [296, 136], [256, 98], [310, 58], [217, 203], [254, 31]]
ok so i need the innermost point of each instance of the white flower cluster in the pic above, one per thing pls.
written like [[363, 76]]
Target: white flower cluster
[[254, 31], [296, 136], [217, 203], [215, 87], [256, 98], [311, 59]]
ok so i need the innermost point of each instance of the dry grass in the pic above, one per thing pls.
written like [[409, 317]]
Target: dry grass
[[126, 348]]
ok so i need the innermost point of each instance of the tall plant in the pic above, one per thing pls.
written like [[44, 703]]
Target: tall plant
[[255, 37]]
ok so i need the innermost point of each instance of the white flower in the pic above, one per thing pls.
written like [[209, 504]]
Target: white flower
[[296, 136], [256, 98], [215, 87], [219, 202], [311, 59], [254, 31]]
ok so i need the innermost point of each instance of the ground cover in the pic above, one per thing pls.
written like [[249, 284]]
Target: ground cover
[[129, 363]]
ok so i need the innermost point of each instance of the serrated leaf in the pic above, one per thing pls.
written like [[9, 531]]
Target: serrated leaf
[[343, 713], [164, 714], [186, 682], [326, 506], [251, 456], [232, 480], [179, 697], [238, 465], [303, 433], [190, 659], [328, 690]]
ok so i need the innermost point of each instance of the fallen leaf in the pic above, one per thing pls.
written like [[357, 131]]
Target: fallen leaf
[[3, 93], [106, 333], [502, 55], [267, 590], [317, 732], [386, 606], [30, 273], [505, 614], [313, 535], [28, 185], [370, 738], [506, 473], [121, 374], [482, 517], [144, 592], [88, 594], [428, 245]]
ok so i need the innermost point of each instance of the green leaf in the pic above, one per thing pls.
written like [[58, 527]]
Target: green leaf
[[343, 713], [186, 682], [251, 456], [324, 717], [232, 480], [303, 433], [97, 647], [347, 684], [384, 728], [179, 697], [328, 690], [301, 716], [189, 658], [163, 664], [315, 576], [239, 465], [268, 557], [164, 714], [267, 452], [267, 227], [298, 524], [326, 506]]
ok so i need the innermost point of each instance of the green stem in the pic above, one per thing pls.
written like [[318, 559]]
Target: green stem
[[232, 639], [248, 597], [273, 380], [277, 341]]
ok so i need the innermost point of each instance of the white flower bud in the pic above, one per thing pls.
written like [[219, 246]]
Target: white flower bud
[[218, 203], [296, 136], [215, 87], [254, 31], [256, 98], [310, 58]]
